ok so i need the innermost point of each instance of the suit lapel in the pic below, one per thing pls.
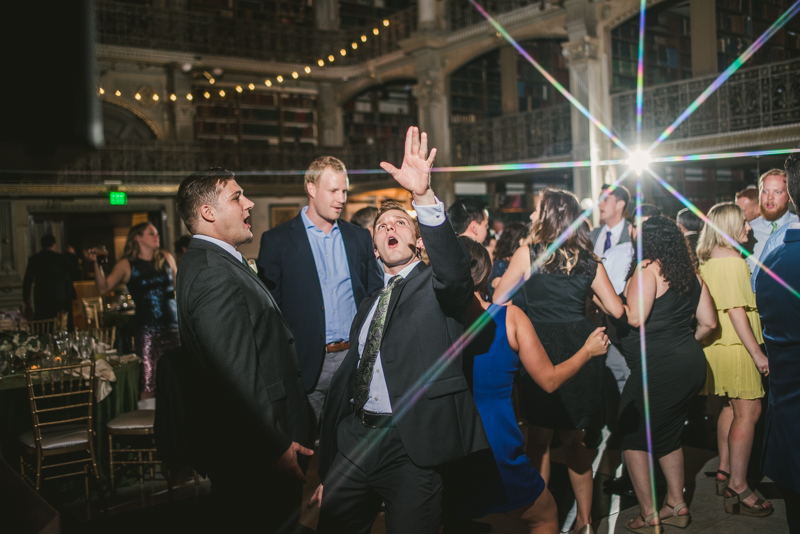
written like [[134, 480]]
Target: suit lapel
[[304, 253], [626, 235], [350, 247], [412, 279]]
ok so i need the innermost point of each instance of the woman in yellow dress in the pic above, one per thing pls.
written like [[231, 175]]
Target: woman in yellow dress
[[735, 359]]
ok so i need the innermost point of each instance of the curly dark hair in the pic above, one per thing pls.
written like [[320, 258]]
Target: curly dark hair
[[508, 243], [662, 241]]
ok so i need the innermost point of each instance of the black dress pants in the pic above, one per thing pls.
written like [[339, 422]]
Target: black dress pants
[[792, 501], [372, 467]]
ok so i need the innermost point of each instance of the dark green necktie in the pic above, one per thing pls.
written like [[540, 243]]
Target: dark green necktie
[[245, 263], [373, 345]]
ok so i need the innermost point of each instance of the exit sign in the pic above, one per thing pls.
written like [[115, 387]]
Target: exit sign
[[117, 198]]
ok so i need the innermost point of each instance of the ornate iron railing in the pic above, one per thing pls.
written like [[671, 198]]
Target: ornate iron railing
[[757, 97], [461, 14], [166, 162], [541, 133], [152, 27]]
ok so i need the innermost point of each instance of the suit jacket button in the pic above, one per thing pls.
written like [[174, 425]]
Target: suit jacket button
[[291, 341], [320, 336], [322, 308]]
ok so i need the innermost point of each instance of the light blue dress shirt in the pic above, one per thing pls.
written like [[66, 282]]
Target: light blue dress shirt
[[774, 241], [378, 401], [333, 271], [762, 230]]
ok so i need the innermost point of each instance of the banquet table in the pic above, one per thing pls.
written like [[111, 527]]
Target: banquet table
[[15, 412]]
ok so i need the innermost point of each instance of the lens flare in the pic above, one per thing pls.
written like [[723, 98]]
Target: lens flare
[[752, 49], [560, 88], [639, 161], [640, 74]]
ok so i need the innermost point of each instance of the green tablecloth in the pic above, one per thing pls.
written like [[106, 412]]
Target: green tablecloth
[[15, 412]]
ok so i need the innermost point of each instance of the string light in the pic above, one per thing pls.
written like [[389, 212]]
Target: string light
[[363, 38], [207, 95], [386, 22], [268, 83], [238, 88], [189, 97], [251, 86], [308, 70], [295, 75], [173, 97], [222, 93], [321, 63], [375, 31], [102, 92], [212, 81], [117, 93], [354, 45], [280, 79], [331, 58], [155, 98], [137, 96], [343, 52]]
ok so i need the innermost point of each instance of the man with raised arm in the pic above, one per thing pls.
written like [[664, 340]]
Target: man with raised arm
[[399, 406]]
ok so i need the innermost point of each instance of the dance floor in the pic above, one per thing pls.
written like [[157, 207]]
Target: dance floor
[[147, 508]]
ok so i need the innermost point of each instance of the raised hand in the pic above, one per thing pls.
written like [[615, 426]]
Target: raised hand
[[414, 175]]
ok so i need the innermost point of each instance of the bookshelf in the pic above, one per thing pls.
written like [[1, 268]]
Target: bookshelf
[[533, 90], [259, 116], [740, 22], [668, 48], [475, 92], [362, 13], [285, 12], [380, 114]]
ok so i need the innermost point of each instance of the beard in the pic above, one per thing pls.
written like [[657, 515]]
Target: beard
[[773, 214]]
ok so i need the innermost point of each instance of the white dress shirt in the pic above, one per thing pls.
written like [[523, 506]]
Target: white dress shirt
[[222, 244], [617, 263], [616, 234], [378, 401], [762, 229]]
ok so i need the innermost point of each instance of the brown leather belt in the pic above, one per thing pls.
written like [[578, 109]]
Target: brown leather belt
[[337, 347], [374, 420]]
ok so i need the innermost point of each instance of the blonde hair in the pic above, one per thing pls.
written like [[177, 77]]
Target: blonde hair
[[729, 218], [771, 172], [319, 165], [131, 250]]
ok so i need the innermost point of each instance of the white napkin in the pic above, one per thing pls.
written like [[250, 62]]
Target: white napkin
[[129, 358], [103, 375]]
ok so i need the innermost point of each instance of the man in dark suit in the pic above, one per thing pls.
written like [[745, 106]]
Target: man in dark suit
[[690, 224], [249, 416], [613, 228], [319, 268], [399, 407], [780, 317], [52, 274]]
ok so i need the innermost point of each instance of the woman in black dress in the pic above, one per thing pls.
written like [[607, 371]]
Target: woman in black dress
[[555, 295], [672, 295]]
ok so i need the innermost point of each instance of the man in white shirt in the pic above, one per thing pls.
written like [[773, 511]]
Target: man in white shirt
[[774, 207], [614, 228]]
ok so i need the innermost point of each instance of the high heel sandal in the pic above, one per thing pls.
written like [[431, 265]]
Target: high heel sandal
[[676, 520], [734, 504], [647, 528], [585, 529], [722, 484]]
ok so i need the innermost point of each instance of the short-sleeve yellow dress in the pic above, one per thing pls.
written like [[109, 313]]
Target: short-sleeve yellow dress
[[731, 371]]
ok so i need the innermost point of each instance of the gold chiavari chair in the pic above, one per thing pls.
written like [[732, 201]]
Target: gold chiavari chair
[[93, 308], [62, 403], [38, 328]]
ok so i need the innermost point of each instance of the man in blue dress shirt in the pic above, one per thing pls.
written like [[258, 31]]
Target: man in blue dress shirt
[[319, 268], [774, 207]]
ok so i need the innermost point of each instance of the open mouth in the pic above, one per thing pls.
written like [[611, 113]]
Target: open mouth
[[247, 221], [392, 241]]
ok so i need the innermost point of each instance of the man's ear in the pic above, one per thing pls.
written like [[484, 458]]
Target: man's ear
[[208, 213], [473, 227], [420, 245], [311, 189]]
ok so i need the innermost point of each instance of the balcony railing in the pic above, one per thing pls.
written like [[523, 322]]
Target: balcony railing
[[757, 97], [461, 14], [200, 33], [169, 163], [542, 133]]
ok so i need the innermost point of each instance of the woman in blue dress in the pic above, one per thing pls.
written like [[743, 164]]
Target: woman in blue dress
[[511, 340]]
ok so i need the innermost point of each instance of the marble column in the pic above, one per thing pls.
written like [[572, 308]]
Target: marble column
[[326, 14], [427, 15], [434, 118], [331, 122], [589, 84]]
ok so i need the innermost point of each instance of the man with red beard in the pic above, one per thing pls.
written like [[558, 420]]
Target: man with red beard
[[774, 207]]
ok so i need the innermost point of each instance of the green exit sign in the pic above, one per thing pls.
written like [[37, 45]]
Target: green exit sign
[[117, 198]]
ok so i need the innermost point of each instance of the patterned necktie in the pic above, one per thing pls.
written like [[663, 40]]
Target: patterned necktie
[[373, 345], [774, 227], [608, 242], [244, 260]]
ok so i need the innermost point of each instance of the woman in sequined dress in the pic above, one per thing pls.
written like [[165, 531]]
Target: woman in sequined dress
[[149, 274]]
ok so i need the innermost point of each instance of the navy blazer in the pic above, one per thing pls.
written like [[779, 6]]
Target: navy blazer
[[780, 317], [286, 265]]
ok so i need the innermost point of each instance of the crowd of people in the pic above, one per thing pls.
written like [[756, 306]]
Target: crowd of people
[[354, 333]]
